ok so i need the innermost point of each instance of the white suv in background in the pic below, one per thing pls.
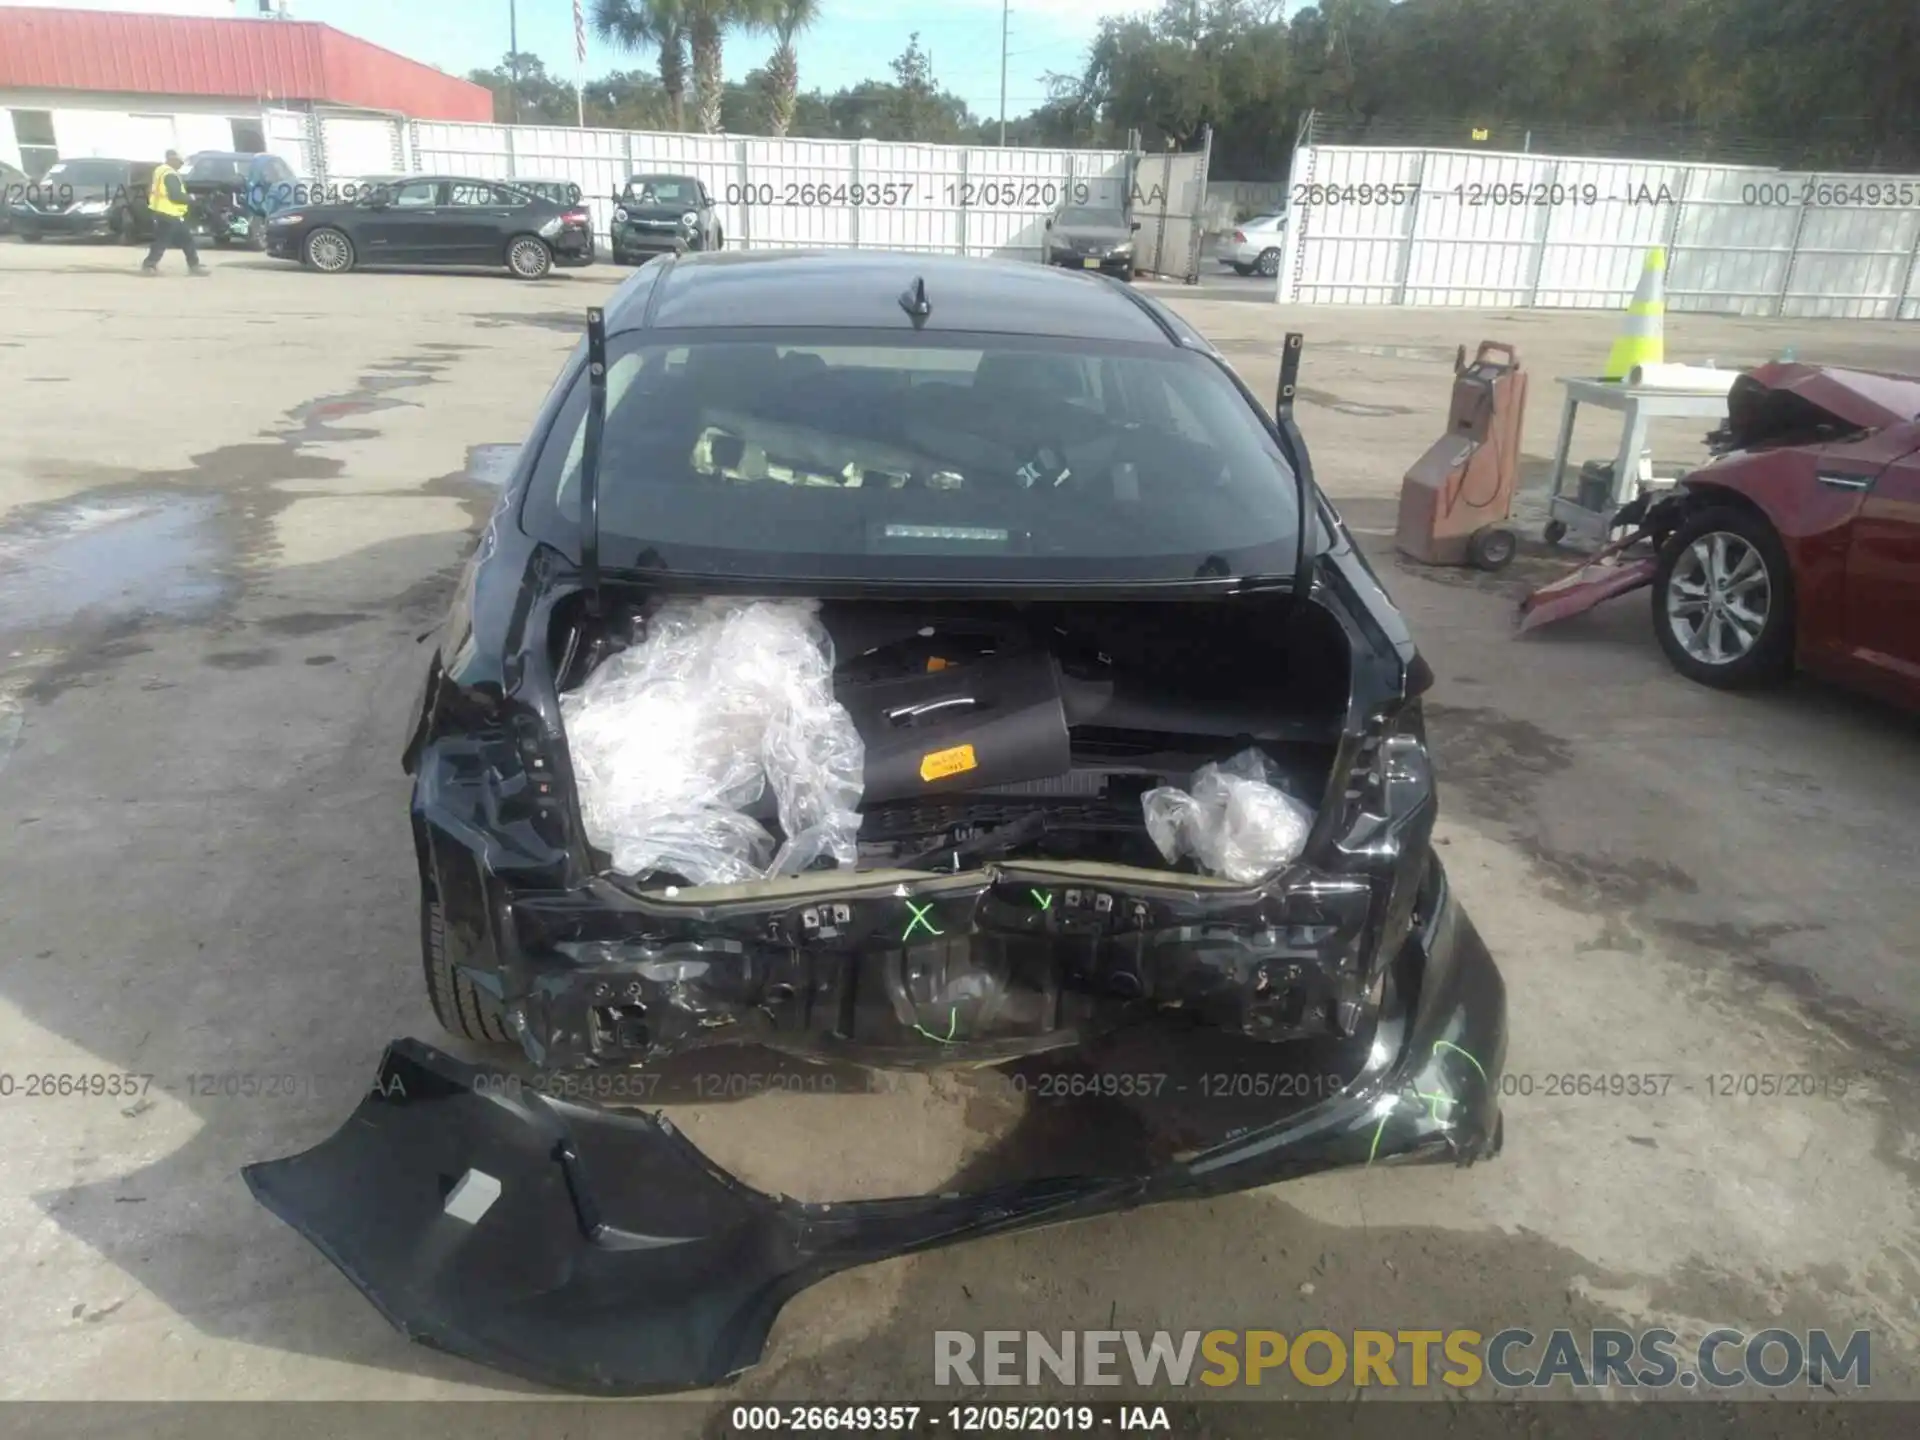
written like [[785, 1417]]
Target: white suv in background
[[1254, 245]]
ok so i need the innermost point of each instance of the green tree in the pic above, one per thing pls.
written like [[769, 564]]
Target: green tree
[[637, 26], [708, 22], [790, 17]]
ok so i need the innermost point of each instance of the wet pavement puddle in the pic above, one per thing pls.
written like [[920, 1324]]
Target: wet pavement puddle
[[118, 558]]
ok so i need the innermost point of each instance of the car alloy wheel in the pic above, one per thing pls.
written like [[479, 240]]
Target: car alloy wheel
[[529, 258], [329, 252], [1269, 264], [1719, 598]]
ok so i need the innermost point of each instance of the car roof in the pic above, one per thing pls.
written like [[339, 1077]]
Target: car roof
[[862, 289], [662, 175]]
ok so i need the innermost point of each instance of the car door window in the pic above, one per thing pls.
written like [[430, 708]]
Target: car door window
[[416, 195]]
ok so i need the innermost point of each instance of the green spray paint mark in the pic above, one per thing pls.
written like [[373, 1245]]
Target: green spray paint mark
[[920, 920], [953, 1024], [1440, 1045], [1045, 902], [1433, 1101]]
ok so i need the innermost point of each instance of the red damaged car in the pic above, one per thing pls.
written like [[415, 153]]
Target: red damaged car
[[1796, 545]]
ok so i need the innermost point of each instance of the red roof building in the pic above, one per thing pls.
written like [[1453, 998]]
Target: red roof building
[[271, 62]]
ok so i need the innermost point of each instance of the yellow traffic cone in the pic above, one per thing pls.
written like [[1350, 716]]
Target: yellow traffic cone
[[1643, 338]]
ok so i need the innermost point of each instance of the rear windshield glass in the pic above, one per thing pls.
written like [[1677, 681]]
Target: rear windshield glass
[[86, 172], [964, 457], [1080, 215], [212, 167], [662, 190]]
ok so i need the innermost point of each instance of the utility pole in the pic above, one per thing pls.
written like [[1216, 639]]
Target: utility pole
[[513, 58], [1006, 7]]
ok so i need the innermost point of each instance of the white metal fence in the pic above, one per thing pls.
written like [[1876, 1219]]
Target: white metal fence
[[1379, 226], [770, 194]]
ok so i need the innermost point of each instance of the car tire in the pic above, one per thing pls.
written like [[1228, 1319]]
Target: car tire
[[1723, 600], [329, 251], [458, 1004], [529, 257], [1268, 264], [719, 239]]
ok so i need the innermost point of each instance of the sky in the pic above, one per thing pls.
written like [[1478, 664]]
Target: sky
[[852, 41]]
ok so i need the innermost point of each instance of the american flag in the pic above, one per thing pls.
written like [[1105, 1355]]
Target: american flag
[[579, 33]]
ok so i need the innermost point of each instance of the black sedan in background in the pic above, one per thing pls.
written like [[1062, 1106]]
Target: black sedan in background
[[87, 199], [436, 220], [663, 215], [1089, 237]]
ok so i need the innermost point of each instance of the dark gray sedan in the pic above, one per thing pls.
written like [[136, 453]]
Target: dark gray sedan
[[1086, 237]]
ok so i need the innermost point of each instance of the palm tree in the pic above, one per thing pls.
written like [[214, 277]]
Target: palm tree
[[789, 18], [707, 24], [659, 25]]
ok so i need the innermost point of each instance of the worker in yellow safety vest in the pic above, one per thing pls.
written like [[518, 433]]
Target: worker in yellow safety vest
[[167, 203]]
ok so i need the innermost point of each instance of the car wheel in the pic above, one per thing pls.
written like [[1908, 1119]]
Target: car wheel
[[460, 1006], [1723, 600], [528, 257], [329, 251], [1269, 263], [719, 239]]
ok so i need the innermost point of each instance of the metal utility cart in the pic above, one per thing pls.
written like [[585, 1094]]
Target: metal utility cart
[[1638, 404]]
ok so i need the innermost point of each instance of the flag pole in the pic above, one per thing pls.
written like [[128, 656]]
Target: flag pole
[[580, 64]]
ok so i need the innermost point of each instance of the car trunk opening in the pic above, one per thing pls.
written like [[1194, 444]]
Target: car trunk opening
[[1004, 731]]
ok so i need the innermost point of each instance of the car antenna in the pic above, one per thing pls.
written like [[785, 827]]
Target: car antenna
[[590, 458], [914, 301], [1296, 446]]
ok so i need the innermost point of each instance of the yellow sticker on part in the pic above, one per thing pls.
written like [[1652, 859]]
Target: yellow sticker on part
[[942, 763]]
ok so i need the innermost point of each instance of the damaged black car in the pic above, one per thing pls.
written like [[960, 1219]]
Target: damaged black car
[[897, 662]]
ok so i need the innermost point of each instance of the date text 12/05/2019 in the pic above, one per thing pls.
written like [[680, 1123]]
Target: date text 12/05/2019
[[960, 194], [1780, 194]]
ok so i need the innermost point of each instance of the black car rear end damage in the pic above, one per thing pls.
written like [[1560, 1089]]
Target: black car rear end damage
[[618, 1260], [599, 1251]]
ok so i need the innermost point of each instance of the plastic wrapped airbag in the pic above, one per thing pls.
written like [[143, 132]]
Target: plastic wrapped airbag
[[1237, 823], [674, 737]]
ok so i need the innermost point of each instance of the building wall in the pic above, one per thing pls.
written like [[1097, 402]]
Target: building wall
[[93, 53], [145, 127]]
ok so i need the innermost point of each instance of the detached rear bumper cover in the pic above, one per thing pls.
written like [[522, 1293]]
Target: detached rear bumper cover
[[617, 1260]]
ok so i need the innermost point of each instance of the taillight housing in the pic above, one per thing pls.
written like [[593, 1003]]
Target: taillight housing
[[1239, 237], [579, 216]]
